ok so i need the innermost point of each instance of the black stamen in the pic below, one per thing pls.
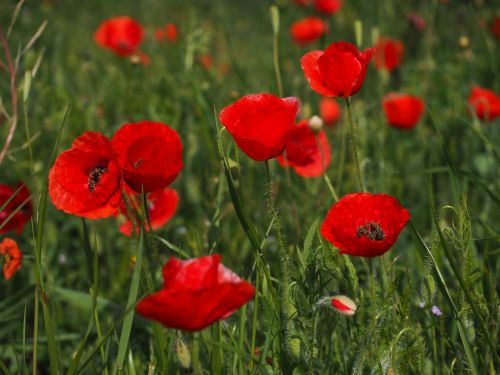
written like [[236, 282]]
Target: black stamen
[[95, 176], [371, 230]]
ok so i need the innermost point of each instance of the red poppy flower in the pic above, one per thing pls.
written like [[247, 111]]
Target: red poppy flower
[[485, 103], [12, 257], [162, 205], [121, 34], [308, 30], [169, 33], [402, 111], [149, 153], [20, 202], [388, 53], [329, 111], [328, 7], [260, 123], [86, 180], [364, 224], [195, 294], [338, 71], [495, 27], [304, 154]]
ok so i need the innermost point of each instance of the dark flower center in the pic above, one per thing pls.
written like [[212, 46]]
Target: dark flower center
[[95, 176], [371, 230]]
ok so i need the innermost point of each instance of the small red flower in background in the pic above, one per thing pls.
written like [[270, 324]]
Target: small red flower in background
[[86, 179], [260, 124], [343, 305], [495, 27], [308, 30], [20, 202], [338, 71], [302, 2], [417, 21], [206, 60], [121, 34], [328, 7], [485, 103], [162, 205], [169, 32], [329, 111], [364, 224], [195, 294], [304, 154], [388, 53], [402, 111], [12, 257], [149, 154]]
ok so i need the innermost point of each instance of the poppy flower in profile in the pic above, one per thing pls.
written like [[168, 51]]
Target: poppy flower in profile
[[338, 71], [12, 257], [260, 124], [485, 103], [329, 111], [402, 111], [86, 179], [303, 152], [364, 224], [308, 30], [20, 203], [388, 54], [120, 34], [149, 154], [162, 205], [169, 32], [195, 294], [328, 7]]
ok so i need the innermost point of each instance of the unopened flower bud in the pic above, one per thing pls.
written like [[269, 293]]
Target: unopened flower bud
[[344, 305], [315, 123]]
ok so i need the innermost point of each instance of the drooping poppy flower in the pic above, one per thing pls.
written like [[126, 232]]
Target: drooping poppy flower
[[20, 203], [308, 30], [149, 154], [495, 27], [402, 111], [338, 71], [328, 7], [260, 124], [303, 152], [330, 111], [86, 179], [169, 32], [162, 205], [195, 294], [343, 305], [364, 224], [485, 103], [388, 54], [12, 257], [120, 34]]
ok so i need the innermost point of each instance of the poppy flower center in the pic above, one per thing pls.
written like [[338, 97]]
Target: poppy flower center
[[95, 176], [371, 230]]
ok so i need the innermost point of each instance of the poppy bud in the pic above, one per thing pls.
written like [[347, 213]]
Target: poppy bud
[[315, 123], [182, 353], [344, 305]]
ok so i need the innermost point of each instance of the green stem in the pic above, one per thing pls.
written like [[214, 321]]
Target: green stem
[[275, 18], [354, 146]]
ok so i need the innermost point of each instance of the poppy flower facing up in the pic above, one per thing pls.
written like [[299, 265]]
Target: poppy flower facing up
[[86, 179], [364, 224], [308, 30], [20, 203], [485, 103], [195, 294], [328, 7], [162, 205], [149, 154], [260, 124], [388, 54], [121, 34], [304, 154], [402, 111], [169, 32], [12, 257], [329, 111], [338, 71]]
